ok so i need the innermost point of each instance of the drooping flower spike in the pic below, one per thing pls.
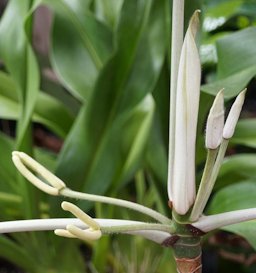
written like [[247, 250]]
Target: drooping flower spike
[[54, 186], [90, 234], [24, 163]]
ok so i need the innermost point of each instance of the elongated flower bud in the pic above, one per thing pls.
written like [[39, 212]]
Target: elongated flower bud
[[215, 123], [233, 116], [187, 103]]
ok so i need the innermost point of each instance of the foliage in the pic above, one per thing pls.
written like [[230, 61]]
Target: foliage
[[110, 109]]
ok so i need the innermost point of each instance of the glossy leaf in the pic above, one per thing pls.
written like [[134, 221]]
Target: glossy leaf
[[234, 197], [236, 168], [21, 63], [245, 133], [108, 11], [236, 66], [48, 111], [218, 15], [80, 46], [102, 128]]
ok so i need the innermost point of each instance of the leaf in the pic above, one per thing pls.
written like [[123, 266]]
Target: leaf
[[245, 133], [235, 197], [246, 230], [20, 62], [102, 128], [236, 66], [218, 15], [108, 11], [236, 168], [16, 254], [80, 46], [48, 111]]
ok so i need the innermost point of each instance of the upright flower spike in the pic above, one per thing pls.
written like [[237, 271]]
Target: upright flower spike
[[233, 116], [182, 185], [215, 123]]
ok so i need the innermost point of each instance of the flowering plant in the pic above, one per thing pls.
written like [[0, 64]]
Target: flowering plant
[[188, 223]]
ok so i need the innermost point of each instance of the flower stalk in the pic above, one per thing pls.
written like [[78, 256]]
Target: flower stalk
[[56, 186], [183, 233]]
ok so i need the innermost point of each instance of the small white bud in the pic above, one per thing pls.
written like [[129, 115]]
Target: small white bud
[[233, 116], [215, 122]]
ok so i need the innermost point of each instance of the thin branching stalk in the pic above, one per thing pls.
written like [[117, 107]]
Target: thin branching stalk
[[117, 202]]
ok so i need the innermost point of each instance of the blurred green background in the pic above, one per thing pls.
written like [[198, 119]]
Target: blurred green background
[[84, 88]]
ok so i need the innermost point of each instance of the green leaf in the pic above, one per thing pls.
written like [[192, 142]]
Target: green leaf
[[20, 62], [16, 254], [235, 197], [236, 66], [108, 11], [218, 15], [236, 168], [48, 111], [245, 133], [112, 122], [246, 230], [80, 46], [8, 181]]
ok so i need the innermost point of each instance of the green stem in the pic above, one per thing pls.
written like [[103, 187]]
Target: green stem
[[208, 180], [204, 184], [117, 202], [177, 41], [187, 249]]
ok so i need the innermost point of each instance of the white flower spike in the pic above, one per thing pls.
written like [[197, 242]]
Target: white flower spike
[[24, 163], [90, 234], [181, 188], [215, 123], [233, 115]]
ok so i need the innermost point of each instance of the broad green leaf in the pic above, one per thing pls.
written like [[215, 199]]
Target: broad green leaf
[[108, 11], [245, 133], [80, 46], [236, 168], [235, 197], [99, 133], [246, 230], [218, 15], [48, 111], [233, 84], [236, 66], [236, 52]]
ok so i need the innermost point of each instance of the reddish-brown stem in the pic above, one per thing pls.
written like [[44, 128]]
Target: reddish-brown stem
[[185, 265]]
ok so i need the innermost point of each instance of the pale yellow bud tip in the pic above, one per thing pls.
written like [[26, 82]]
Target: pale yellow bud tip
[[76, 211]]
